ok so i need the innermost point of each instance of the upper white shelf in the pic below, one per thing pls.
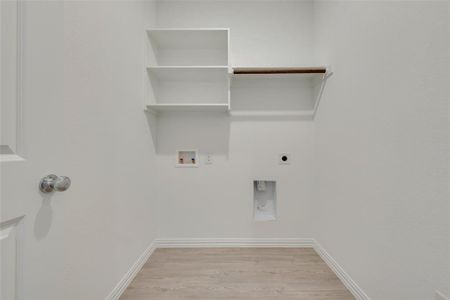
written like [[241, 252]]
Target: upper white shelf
[[279, 70], [189, 46], [277, 91]]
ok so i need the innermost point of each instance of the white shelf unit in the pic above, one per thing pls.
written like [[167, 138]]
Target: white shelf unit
[[277, 91], [188, 70]]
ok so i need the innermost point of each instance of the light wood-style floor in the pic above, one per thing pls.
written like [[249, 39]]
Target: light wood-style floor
[[236, 273]]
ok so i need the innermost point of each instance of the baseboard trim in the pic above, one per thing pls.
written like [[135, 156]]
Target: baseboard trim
[[132, 272], [349, 283], [237, 242]]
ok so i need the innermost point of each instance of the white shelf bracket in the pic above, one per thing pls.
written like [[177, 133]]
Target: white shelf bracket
[[325, 77]]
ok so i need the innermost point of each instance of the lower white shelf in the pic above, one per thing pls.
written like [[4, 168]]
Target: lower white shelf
[[199, 107]]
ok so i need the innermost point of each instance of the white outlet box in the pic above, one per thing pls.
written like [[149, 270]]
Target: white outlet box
[[186, 159], [208, 159], [284, 158]]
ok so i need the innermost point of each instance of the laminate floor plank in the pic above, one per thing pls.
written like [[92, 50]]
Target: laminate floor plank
[[236, 274]]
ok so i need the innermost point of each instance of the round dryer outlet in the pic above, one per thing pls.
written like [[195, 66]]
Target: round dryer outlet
[[284, 159]]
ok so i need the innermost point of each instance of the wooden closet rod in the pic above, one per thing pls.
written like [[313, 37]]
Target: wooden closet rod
[[260, 70]]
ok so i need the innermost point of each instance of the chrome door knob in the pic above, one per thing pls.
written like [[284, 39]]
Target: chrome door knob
[[52, 183]]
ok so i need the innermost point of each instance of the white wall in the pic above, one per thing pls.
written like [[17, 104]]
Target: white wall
[[262, 32], [110, 216], [82, 114], [382, 138], [215, 201]]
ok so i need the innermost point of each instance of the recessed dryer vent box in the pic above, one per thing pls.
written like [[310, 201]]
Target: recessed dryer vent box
[[186, 159], [264, 200]]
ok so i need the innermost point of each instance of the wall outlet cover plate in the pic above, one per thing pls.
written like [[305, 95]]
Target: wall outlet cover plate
[[208, 159]]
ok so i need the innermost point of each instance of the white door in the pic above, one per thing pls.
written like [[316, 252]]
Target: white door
[[31, 222]]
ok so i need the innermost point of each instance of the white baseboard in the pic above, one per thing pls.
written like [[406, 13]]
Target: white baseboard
[[132, 272], [238, 242], [349, 283]]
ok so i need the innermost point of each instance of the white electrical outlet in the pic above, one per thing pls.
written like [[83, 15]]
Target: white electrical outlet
[[284, 159], [208, 159]]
